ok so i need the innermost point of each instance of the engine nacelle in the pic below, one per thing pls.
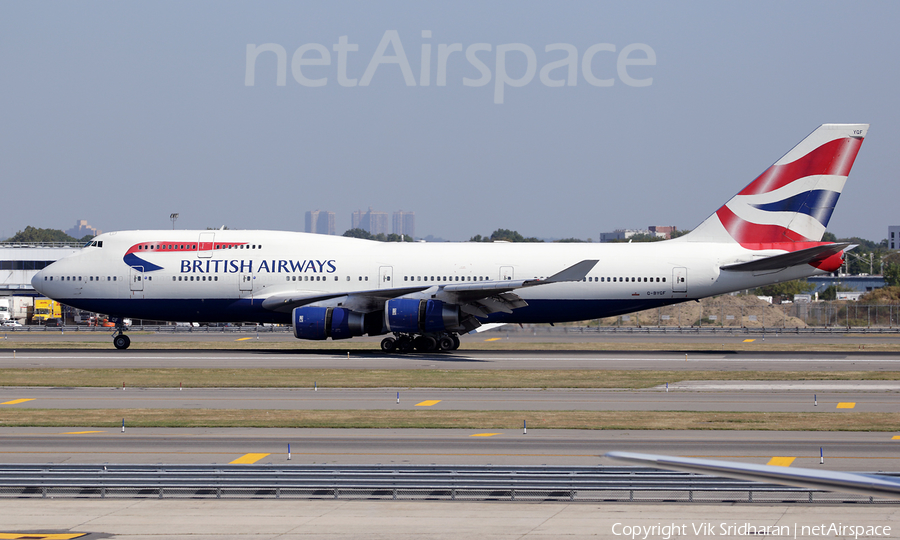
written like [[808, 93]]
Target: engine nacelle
[[312, 322], [420, 316]]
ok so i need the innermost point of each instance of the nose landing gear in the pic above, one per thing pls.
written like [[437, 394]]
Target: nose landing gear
[[120, 340]]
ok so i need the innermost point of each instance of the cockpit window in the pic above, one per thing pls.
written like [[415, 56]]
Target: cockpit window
[[94, 243]]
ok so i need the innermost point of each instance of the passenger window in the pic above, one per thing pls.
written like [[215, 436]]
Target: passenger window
[[173, 278], [216, 278], [335, 278], [405, 278]]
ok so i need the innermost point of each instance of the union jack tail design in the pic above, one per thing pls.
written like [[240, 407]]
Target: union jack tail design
[[793, 199]]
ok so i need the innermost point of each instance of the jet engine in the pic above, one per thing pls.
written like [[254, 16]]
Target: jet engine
[[311, 322], [420, 316]]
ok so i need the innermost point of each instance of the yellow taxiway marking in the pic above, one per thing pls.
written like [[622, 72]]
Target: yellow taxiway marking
[[81, 432], [17, 401], [39, 536], [493, 339], [781, 461], [248, 459], [749, 340], [846, 405], [243, 339], [428, 403], [895, 438], [483, 434]]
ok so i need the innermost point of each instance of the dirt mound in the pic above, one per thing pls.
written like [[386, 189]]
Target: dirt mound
[[726, 310]]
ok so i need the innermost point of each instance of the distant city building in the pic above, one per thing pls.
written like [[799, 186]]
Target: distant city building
[[320, 222], [373, 221], [82, 229], [660, 230], [894, 237], [405, 223], [651, 231]]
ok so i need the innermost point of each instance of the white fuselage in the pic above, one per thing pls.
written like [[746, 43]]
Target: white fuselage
[[225, 275]]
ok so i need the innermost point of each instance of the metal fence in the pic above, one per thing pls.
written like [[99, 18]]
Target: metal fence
[[408, 482]]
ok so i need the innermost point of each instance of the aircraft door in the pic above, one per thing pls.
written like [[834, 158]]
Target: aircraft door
[[506, 273], [679, 280], [246, 282], [205, 245], [137, 278], [385, 277]]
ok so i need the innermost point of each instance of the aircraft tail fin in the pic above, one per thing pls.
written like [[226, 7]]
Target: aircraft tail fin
[[792, 201]]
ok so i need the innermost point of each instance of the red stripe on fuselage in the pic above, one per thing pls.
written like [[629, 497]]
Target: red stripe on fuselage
[[169, 247], [832, 158]]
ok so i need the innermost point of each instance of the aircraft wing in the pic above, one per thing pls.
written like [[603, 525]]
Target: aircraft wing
[[865, 484], [287, 301], [811, 256], [479, 298]]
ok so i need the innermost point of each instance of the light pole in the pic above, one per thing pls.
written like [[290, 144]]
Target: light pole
[[173, 217]]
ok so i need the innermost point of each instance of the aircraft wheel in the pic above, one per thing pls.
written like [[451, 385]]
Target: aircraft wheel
[[455, 343], [388, 344], [404, 344], [425, 343], [121, 342], [446, 343]]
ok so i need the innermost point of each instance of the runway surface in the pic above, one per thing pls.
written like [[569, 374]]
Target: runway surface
[[590, 360], [851, 451], [402, 520], [774, 396]]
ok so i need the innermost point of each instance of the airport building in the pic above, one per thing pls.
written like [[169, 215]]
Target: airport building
[[894, 237], [320, 222], [20, 261]]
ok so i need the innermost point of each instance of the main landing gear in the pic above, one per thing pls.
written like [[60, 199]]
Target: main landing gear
[[404, 343], [120, 340]]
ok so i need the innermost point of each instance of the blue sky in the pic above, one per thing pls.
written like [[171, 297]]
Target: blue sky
[[122, 113]]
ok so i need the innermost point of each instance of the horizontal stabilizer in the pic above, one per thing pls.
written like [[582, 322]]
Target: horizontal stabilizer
[[795, 258], [866, 484]]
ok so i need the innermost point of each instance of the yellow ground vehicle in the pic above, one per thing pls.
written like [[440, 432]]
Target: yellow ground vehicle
[[45, 308]]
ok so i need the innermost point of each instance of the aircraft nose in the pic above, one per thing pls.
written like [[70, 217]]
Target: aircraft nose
[[38, 281]]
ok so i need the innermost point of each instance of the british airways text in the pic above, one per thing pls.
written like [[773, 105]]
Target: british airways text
[[213, 266]]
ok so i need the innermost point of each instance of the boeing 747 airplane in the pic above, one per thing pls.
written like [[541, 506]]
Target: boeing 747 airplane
[[424, 295]]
